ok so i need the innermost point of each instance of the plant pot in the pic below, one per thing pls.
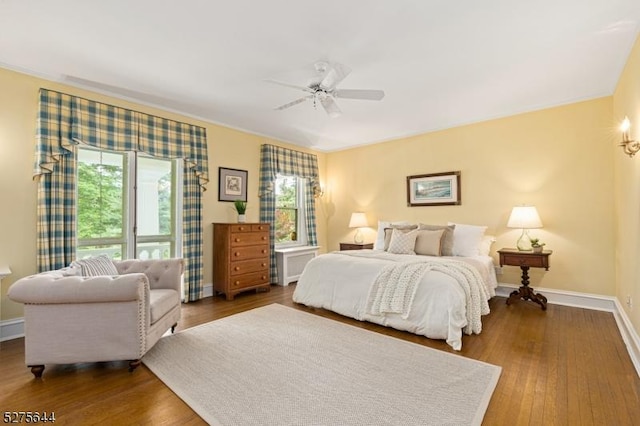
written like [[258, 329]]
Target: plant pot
[[242, 218], [537, 249]]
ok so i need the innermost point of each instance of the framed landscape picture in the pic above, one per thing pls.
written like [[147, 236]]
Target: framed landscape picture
[[232, 184], [435, 189]]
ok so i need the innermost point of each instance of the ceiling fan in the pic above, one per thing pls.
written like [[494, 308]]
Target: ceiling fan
[[324, 90]]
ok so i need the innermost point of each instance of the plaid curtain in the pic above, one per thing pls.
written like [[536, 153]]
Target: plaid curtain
[[274, 161], [63, 122]]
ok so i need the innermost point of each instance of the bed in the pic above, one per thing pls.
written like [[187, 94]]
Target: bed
[[440, 297]]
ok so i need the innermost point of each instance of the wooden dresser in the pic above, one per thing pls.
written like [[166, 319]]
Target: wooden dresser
[[240, 257]]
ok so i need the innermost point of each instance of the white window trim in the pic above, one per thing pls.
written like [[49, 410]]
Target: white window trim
[[130, 239], [301, 232]]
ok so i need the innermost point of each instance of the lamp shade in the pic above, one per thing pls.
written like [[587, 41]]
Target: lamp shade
[[525, 217], [358, 220]]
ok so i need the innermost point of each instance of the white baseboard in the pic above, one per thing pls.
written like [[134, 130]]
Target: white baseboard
[[207, 290], [590, 301], [11, 329], [629, 335], [567, 298]]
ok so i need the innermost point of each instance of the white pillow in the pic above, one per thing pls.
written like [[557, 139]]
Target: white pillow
[[379, 243], [485, 245], [95, 266], [467, 239], [403, 242]]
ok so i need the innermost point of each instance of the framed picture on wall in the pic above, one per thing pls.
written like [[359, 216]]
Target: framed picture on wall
[[232, 184], [435, 189]]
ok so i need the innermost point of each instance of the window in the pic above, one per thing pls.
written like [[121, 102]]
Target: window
[[127, 205], [290, 223]]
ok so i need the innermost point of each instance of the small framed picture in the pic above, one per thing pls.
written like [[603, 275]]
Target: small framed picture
[[435, 189], [232, 184]]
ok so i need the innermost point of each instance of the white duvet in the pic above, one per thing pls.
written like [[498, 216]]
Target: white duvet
[[440, 308]]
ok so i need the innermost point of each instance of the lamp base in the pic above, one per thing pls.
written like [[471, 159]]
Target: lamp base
[[357, 238], [524, 242]]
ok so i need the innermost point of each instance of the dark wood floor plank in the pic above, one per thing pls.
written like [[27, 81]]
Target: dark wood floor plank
[[563, 366]]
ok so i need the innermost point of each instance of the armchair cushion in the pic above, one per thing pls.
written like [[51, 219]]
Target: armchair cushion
[[162, 301]]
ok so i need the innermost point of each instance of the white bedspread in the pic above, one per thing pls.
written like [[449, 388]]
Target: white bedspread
[[442, 307]]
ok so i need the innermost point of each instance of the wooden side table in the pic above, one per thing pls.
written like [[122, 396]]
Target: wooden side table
[[355, 246], [525, 260]]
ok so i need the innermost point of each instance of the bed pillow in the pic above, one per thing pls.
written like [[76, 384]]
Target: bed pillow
[[382, 224], [388, 231], [403, 242], [429, 243], [467, 239], [95, 266], [447, 237], [485, 245]]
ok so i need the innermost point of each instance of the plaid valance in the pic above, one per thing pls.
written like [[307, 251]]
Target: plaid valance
[[276, 160], [66, 120]]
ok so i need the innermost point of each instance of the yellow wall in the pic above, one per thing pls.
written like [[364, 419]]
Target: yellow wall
[[558, 159], [18, 111], [627, 190]]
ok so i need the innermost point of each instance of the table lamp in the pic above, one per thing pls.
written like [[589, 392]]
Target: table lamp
[[524, 217], [358, 220]]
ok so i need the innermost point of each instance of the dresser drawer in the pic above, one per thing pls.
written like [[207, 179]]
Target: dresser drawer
[[239, 239], [260, 227], [520, 260], [240, 228], [251, 252], [249, 280], [246, 266]]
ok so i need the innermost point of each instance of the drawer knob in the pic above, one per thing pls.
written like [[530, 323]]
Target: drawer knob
[[264, 264], [237, 240], [264, 238], [241, 228], [237, 268], [236, 254], [264, 251], [264, 277], [237, 282]]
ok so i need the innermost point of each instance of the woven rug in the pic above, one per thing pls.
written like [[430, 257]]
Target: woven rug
[[280, 366]]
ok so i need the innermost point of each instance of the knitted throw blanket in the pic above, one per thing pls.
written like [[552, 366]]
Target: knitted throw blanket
[[395, 287]]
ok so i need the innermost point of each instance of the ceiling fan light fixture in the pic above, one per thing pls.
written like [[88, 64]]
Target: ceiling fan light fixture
[[325, 91]]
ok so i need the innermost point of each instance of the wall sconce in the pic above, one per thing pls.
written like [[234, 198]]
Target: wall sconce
[[524, 217], [358, 220], [629, 146], [318, 191]]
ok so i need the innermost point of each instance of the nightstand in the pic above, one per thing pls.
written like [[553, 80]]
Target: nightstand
[[355, 246], [525, 260]]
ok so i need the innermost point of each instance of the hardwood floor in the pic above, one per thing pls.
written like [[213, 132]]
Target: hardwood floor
[[565, 366]]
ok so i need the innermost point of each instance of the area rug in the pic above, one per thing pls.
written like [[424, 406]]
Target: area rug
[[276, 365]]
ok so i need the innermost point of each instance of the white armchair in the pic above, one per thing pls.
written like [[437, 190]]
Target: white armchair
[[71, 319]]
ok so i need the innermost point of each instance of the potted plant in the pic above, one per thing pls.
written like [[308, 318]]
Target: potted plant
[[241, 208], [536, 245]]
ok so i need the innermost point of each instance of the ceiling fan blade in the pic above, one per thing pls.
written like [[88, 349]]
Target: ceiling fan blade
[[330, 107], [292, 103], [293, 86], [335, 75], [368, 95]]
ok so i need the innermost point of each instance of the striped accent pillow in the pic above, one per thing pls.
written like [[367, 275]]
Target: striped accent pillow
[[95, 266]]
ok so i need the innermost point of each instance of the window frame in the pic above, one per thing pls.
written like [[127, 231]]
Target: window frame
[[301, 228], [130, 239]]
